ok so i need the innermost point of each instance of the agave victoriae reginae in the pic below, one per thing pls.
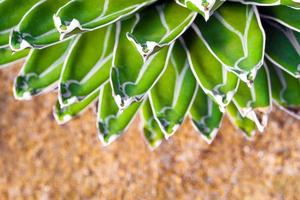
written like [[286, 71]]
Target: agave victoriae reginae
[[168, 58]]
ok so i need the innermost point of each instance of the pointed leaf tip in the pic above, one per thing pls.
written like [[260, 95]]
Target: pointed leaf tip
[[205, 7], [206, 116], [151, 130], [111, 120], [158, 26]]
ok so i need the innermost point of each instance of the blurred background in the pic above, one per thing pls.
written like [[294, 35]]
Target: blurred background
[[42, 160]]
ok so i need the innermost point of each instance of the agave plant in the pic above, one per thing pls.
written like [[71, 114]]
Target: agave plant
[[170, 59]]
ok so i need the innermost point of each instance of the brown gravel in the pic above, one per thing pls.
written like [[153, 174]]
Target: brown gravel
[[41, 160]]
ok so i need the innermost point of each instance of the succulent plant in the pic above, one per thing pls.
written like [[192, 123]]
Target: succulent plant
[[170, 59]]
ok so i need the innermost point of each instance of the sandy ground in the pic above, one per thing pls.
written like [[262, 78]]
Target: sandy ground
[[41, 160]]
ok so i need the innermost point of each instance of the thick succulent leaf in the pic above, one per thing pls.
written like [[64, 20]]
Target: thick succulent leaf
[[285, 90], [290, 3], [283, 48], [151, 129], [37, 28], [212, 76], [255, 102], [9, 20], [87, 66], [159, 25], [41, 71], [295, 4], [206, 116], [7, 56], [112, 121], [244, 124], [236, 38], [284, 15], [173, 94], [131, 77], [63, 114], [204, 7], [82, 15]]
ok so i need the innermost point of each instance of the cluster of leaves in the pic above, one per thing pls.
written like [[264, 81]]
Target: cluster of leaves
[[161, 56]]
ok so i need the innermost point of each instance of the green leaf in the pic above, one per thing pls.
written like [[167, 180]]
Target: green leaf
[[255, 102], [37, 28], [206, 116], [204, 7], [41, 71], [131, 77], [286, 16], [236, 38], [12, 12], [283, 48], [291, 3], [285, 90], [66, 113], [7, 56], [173, 94], [160, 25], [216, 81], [87, 66], [152, 132], [244, 124], [82, 15], [112, 121], [274, 3]]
